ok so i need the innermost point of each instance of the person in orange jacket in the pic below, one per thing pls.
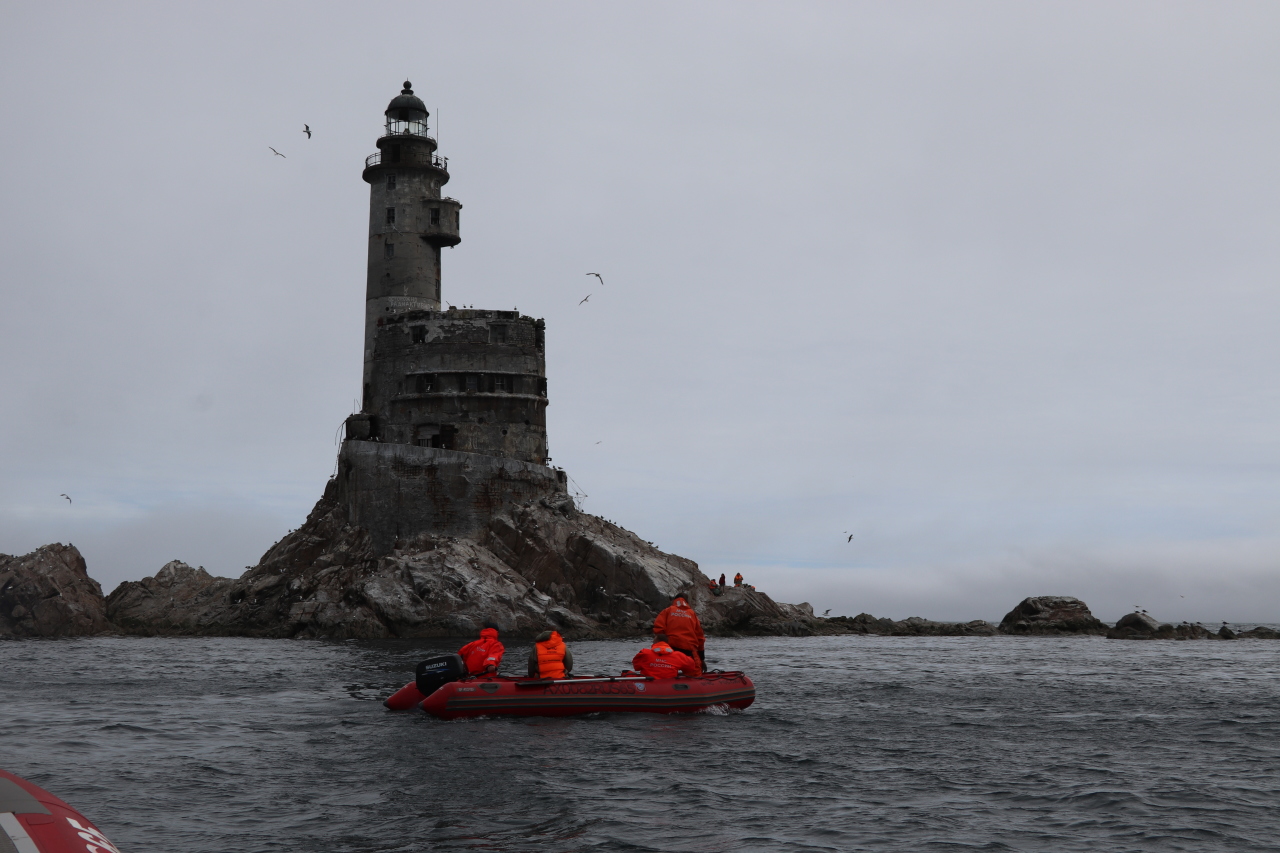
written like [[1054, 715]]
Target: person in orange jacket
[[737, 579], [662, 661], [682, 628], [485, 654], [550, 657]]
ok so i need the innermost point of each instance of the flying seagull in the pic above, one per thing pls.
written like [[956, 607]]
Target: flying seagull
[[306, 128], [277, 153], [597, 275], [585, 298], [68, 497], [825, 612]]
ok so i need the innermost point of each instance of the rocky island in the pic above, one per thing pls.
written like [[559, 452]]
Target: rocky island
[[445, 511]]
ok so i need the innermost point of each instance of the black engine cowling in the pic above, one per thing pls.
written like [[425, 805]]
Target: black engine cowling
[[434, 673]]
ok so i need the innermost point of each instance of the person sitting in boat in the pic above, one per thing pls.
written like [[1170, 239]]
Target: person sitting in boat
[[550, 657], [662, 661], [682, 628], [485, 654]]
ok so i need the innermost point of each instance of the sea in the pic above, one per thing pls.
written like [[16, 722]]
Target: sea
[[853, 743]]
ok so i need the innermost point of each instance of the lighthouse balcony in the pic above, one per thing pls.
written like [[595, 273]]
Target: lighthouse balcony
[[435, 160]]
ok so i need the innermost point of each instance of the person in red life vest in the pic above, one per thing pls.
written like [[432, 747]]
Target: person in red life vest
[[737, 579], [662, 661], [715, 590], [485, 654], [682, 628], [550, 657]]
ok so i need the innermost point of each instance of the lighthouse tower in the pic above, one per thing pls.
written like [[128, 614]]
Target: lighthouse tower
[[452, 428], [409, 221]]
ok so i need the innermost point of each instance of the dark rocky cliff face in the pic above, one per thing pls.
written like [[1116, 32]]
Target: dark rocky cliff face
[[539, 565], [48, 593]]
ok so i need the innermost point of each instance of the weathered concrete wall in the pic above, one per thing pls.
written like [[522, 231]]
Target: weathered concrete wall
[[468, 380], [398, 491]]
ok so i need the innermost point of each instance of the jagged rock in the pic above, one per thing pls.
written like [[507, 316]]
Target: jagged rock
[[914, 626], [1225, 633], [1140, 626], [1051, 614], [1259, 633], [48, 593], [162, 604], [538, 565]]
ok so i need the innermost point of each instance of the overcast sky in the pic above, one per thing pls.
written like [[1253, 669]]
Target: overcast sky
[[993, 287]]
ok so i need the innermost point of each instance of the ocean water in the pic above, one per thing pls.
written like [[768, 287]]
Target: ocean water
[[854, 743]]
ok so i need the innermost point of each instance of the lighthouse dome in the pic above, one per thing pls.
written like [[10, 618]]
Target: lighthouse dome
[[406, 100]]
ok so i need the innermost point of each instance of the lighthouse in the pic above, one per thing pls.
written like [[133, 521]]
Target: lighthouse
[[452, 425]]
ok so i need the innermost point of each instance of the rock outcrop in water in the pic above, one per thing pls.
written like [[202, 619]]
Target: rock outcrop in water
[[541, 564], [48, 593], [1140, 626], [914, 626], [1051, 614]]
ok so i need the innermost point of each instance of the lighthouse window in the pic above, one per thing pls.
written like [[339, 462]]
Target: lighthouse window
[[498, 334], [435, 216], [419, 334], [388, 250], [457, 219], [391, 181], [500, 384], [391, 216]]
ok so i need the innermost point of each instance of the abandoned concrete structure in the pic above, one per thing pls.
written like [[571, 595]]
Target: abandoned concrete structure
[[452, 427]]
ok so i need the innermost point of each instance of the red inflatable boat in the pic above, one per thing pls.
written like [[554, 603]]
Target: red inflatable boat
[[492, 695], [34, 821]]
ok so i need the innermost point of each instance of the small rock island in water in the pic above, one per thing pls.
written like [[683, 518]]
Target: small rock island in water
[[445, 511]]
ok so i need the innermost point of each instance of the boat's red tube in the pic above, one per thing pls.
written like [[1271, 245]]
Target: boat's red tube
[[34, 821], [405, 698], [498, 695]]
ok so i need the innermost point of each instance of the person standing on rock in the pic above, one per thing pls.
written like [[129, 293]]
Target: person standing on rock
[[662, 661], [485, 654], [682, 629], [737, 579], [722, 581], [550, 657]]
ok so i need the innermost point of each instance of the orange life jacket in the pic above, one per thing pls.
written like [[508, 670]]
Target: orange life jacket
[[480, 654], [551, 656], [662, 661], [681, 626]]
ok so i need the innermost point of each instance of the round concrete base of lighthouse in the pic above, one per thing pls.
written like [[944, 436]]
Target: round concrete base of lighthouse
[[398, 491]]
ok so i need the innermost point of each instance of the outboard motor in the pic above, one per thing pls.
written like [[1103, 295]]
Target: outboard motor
[[434, 673]]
